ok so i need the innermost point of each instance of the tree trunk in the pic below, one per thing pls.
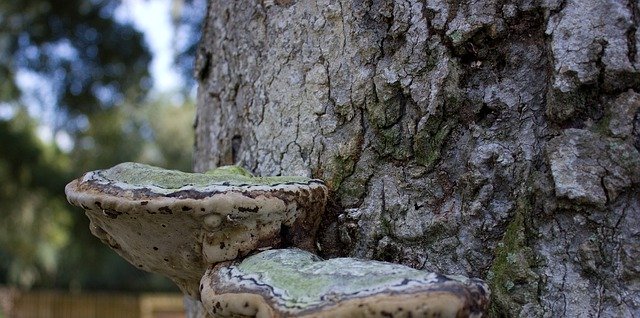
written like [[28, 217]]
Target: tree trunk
[[496, 139]]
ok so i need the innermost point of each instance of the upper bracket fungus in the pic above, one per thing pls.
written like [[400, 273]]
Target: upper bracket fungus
[[295, 283], [176, 223]]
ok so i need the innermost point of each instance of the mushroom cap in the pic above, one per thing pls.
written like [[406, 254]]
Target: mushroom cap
[[177, 223], [292, 282]]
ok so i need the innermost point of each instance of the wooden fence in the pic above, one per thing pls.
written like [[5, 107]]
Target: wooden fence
[[54, 304]]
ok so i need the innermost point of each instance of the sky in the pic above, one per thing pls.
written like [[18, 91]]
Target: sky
[[153, 19]]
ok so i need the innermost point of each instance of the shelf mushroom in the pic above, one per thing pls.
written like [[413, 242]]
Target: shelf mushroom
[[296, 283], [203, 230], [177, 223]]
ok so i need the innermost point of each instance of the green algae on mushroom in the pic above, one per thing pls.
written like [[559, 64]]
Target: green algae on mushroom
[[177, 223], [292, 282]]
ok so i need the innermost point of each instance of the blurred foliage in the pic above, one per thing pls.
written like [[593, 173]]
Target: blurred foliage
[[97, 71], [36, 221], [91, 60], [172, 129]]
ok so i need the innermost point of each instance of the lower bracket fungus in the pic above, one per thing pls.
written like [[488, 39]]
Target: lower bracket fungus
[[292, 282], [177, 223]]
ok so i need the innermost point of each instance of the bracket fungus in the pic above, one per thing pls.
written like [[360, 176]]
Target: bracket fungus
[[292, 282], [195, 228], [177, 223]]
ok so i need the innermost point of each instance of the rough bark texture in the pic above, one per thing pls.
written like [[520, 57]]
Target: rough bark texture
[[497, 139]]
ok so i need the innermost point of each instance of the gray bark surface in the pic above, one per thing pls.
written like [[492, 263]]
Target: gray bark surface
[[497, 139]]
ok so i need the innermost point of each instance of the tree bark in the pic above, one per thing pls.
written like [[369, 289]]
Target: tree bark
[[496, 139]]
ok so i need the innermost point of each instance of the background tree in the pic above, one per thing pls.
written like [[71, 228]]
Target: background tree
[[90, 84], [496, 139], [35, 223], [90, 59]]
